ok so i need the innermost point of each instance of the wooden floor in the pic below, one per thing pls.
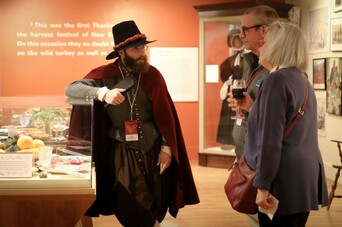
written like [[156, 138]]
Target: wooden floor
[[215, 211]]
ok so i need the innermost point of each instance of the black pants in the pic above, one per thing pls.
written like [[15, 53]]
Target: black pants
[[294, 220]]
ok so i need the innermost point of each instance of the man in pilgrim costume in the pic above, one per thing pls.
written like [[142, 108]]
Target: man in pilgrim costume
[[142, 167]]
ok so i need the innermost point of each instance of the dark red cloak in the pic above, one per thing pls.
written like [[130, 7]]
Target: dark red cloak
[[183, 190]]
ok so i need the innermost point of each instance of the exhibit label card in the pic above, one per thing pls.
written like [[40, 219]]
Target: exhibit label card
[[15, 165]]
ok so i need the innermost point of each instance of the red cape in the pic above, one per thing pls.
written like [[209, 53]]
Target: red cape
[[183, 187]]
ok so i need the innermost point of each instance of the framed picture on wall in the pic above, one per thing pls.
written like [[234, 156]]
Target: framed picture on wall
[[337, 5], [318, 31], [321, 108], [336, 34], [334, 82], [319, 73]]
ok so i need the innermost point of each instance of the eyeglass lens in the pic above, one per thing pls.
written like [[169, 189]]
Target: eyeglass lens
[[244, 29]]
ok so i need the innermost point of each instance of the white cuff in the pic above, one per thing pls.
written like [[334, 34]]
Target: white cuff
[[167, 150], [101, 93]]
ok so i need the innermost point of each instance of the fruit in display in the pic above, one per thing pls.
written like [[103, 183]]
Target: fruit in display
[[37, 143], [2, 145], [25, 142], [22, 134], [12, 148], [10, 141], [33, 150]]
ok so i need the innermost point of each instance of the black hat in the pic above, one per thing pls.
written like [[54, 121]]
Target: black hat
[[126, 34]]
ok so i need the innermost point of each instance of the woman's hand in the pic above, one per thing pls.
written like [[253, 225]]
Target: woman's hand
[[244, 103], [263, 199]]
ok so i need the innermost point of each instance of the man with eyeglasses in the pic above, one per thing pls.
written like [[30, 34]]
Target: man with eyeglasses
[[254, 26], [142, 168]]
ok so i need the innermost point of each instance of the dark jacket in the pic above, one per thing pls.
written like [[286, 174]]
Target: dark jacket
[[250, 66], [290, 168]]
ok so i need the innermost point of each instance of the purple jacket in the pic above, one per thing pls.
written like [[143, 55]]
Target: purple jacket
[[292, 168]]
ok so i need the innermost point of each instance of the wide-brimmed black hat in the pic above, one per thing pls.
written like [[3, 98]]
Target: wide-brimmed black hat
[[126, 34]]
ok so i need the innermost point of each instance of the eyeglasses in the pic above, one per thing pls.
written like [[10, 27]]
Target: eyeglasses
[[139, 48], [244, 29]]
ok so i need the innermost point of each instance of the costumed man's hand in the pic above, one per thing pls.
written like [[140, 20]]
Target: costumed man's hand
[[164, 161], [114, 96]]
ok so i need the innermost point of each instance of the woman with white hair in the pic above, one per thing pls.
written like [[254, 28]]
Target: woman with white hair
[[289, 168]]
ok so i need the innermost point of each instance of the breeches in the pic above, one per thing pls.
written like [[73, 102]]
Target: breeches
[[141, 193]]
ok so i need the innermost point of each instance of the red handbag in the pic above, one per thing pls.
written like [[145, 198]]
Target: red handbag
[[239, 189]]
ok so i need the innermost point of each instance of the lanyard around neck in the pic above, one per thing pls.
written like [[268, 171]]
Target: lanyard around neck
[[255, 73], [134, 94]]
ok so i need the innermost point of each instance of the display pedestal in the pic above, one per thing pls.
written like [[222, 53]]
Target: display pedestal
[[44, 207], [215, 157]]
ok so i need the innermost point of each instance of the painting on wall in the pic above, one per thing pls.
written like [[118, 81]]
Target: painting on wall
[[319, 73], [336, 34], [321, 107], [319, 30], [334, 81], [337, 5]]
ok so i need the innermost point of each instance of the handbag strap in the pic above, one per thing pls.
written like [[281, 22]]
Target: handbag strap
[[300, 113]]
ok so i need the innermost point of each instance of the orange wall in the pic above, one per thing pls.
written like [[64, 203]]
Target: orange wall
[[173, 23], [216, 51]]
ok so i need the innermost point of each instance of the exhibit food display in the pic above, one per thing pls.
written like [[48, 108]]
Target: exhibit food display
[[44, 171]]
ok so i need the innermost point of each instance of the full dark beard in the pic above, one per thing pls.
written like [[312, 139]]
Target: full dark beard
[[134, 66]]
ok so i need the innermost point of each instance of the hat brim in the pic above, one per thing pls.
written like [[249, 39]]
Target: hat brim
[[114, 54]]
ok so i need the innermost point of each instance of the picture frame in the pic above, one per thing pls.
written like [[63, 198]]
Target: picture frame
[[336, 36], [321, 113], [319, 73], [319, 32], [334, 86], [337, 5]]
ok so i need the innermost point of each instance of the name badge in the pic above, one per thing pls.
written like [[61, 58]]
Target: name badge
[[238, 121], [131, 130]]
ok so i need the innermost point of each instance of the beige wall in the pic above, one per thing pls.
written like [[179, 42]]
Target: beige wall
[[333, 123]]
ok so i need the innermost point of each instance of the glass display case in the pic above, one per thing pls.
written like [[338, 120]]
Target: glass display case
[[33, 130], [29, 124]]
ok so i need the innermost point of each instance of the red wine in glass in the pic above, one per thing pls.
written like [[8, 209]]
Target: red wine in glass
[[238, 87], [238, 92]]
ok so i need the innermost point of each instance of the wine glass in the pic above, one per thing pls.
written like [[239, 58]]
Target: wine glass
[[58, 125], [238, 88], [25, 120]]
